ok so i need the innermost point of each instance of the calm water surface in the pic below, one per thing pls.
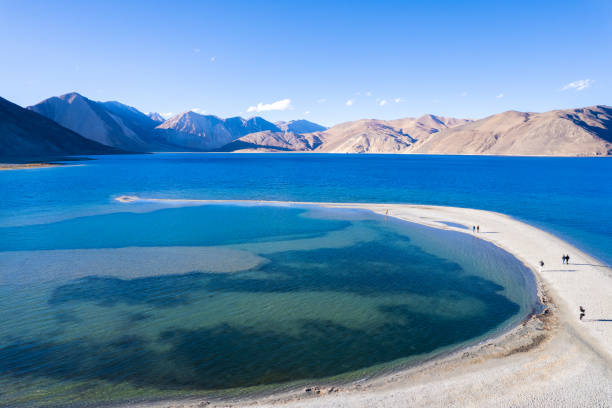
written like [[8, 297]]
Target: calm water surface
[[571, 197], [101, 301]]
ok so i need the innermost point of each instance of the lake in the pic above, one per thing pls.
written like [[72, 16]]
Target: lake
[[103, 301]]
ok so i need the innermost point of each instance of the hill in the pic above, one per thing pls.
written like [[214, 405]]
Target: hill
[[110, 123], [26, 134], [570, 132]]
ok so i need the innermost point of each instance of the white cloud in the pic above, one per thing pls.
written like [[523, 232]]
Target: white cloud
[[213, 59], [383, 102], [167, 115], [578, 85], [307, 112], [398, 100], [368, 93], [198, 110], [501, 95], [350, 102], [281, 105], [322, 100]]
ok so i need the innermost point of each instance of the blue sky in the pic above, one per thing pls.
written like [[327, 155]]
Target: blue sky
[[327, 61]]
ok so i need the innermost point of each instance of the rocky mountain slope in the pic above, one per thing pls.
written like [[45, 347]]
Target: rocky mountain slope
[[361, 136], [569, 132], [269, 141], [28, 135], [423, 126], [378, 136], [300, 126], [206, 132], [110, 123], [156, 117]]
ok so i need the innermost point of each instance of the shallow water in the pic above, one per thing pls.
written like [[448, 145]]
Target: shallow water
[[245, 296], [102, 301]]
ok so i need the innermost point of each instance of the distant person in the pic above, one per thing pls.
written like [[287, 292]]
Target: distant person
[[473, 228], [563, 258], [478, 228], [541, 265], [567, 259], [582, 312]]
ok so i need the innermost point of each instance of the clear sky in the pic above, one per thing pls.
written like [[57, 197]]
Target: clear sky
[[327, 61]]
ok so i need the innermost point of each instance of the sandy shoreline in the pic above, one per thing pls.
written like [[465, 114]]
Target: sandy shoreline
[[26, 166], [553, 359]]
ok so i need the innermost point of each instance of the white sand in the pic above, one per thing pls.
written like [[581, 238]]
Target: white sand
[[554, 360], [26, 166]]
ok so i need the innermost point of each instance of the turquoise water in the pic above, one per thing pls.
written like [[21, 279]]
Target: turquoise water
[[571, 197], [102, 301], [216, 299]]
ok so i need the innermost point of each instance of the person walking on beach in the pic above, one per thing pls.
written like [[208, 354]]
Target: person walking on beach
[[582, 312], [563, 258], [473, 229], [541, 265], [478, 228], [567, 259]]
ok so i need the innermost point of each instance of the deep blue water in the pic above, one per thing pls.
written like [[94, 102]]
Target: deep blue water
[[571, 197]]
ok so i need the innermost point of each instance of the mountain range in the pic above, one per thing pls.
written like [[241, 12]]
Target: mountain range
[[568, 132], [27, 135], [207, 132], [109, 123], [571, 132]]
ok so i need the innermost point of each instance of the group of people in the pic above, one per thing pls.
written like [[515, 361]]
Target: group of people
[[475, 228], [565, 258]]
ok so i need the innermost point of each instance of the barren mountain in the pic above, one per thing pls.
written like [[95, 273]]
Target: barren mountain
[[273, 141], [379, 136], [423, 126], [28, 135], [206, 132], [156, 117], [364, 136], [300, 126], [569, 132], [361, 136], [109, 123]]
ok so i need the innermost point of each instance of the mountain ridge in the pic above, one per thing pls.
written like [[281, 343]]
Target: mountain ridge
[[564, 132], [107, 123], [209, 132], [300, 126], [26, 134], [585, 131]]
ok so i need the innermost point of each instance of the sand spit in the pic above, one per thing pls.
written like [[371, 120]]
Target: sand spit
[[551, 360], [25, 166]]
